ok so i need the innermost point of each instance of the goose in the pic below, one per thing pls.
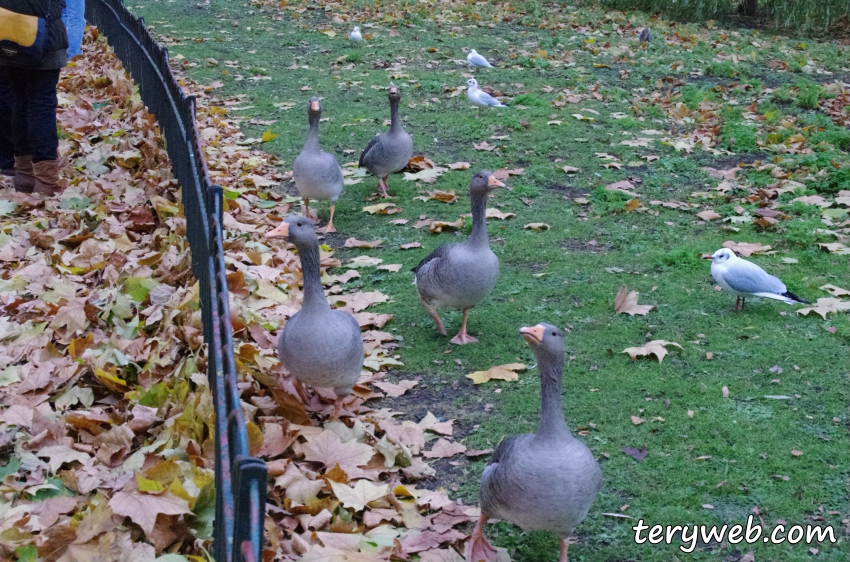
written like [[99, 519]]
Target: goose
[[645, 35], [316, 173], [544, 481], [388, 152], [475, 59], [318, 345], [460, 275], [480, 98], [746, 279], [355, 35]]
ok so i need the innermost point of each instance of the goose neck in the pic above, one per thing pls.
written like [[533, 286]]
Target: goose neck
[[395, 125], [314, 295], [479, 220], [552, 423], [312, 142]]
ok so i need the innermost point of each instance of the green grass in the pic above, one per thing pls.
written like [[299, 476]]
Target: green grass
[[560, 276]]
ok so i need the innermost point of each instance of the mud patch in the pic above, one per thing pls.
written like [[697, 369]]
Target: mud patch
[[570, 191], [582, 245]]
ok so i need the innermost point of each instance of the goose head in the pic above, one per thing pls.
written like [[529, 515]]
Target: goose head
[[546, 341], [393, 93], [297, 230], [314, 107], [472, 83], [720, 256], [483, 182]]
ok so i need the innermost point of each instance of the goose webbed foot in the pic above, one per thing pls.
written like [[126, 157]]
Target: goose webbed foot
[[330, 226], [337, 408], [434, 315], [382, 187], [478, 549], [462, 338]]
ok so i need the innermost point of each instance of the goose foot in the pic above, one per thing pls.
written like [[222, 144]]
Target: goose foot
[[307, 212], [434, 315], [382, 186], [302, 392], [337, 408], [478, 549], [565, 543], [462, 338], [330, 227]]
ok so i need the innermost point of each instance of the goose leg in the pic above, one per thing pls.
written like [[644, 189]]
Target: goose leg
[[565, 543], [302, 392], [337, 408], [330, 226], [478, 549], [307, 210], [434, 314], [382, 185], [462, 337]]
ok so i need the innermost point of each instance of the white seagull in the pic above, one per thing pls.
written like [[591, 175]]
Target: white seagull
[[475, 59], [746, 279], [355, 35], [480, 98]]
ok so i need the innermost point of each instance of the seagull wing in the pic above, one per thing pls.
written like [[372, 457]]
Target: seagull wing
[[478, 60], [488, 100], [746, 277]]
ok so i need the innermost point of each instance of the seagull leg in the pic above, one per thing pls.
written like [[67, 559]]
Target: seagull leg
[[565, 543], [478, 549], [330, 226], [737, 301], [382, 186], [743, 302], [462, 337], [433, 312]]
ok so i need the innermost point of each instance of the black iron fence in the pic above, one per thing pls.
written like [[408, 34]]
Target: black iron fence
[[240, 479]]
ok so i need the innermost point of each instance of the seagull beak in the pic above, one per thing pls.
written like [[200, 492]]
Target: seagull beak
[[492, 182], [314, 105], [533, 335], [281, 230], [708, 257]]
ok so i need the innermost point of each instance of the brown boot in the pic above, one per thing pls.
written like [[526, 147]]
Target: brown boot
[[24, 178], [47, 180]]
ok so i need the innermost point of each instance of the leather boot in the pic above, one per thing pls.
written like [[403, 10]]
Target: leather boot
[[47, 180], [24, 179]]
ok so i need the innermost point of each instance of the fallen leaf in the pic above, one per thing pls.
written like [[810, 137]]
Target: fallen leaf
[[360, 495], [825, 306], [637, 454], [142, 509], [537, 226], [484, 146], [655, 347], [746, 249], [444, 448], [459, 166], [626, 303], [499, 372], [709, 215], [570, 169], [835, 291], [355, 243]]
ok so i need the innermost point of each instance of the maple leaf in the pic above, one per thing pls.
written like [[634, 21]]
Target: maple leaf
[[709, 215], [459, 166], [444, 448], [626, 303], [379, 208], [497, 214], [622, 186], [655, 347], [483, 146], [836, 248], [355, 243], [825, 306], [363, 261], [746, 249], [835, 291], [410, 246], [396, 390], [428, 175], [142, 508], [499, 372], [329, 450], [360, 495], [61, 454], [71, 316], [392, 267], [570, 169]]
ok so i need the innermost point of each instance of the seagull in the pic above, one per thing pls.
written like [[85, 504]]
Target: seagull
[[355, 35], [645, 35], [475, 59], [746, 279], [480, 98]]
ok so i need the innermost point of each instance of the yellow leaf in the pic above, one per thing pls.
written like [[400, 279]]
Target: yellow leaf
[[151, 486], [111, 382], [269, 136], [500, 372], [255, 438], [655, 347]]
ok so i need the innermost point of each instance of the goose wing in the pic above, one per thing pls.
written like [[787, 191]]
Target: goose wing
[[369, 147]]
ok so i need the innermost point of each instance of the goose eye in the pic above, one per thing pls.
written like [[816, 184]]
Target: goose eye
[[299, 224], [554, 333]]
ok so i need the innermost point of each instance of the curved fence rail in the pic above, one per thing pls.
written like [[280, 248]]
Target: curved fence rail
[[239, 478]]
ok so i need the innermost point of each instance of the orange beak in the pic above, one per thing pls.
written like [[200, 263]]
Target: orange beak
[[709, 257], [492, 182], [281, 230], [314, 106], [533, 335]]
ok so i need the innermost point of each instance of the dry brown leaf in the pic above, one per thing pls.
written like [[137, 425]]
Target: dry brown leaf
[[835, 291], [355, 243], [746, 249], [570, 169], [143, 508], [626, 303], [499, 372], [484, 146], [825, 306], [444, 448], [459, 166], [655, 347], [709, 215]]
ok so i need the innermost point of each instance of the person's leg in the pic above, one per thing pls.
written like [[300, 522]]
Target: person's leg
[[41, 125], [15, 80], [7, 146], [74, 18]]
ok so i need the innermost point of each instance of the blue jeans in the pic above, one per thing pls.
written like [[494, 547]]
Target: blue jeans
[[74, 18], [7, 146], [33, 102]]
